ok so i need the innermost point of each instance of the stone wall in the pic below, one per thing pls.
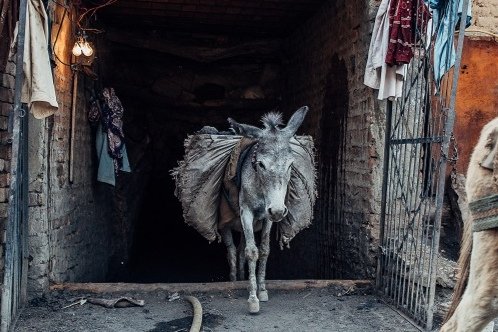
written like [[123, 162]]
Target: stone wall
[[325, 65]]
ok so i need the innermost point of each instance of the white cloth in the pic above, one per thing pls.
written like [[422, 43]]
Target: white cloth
[[378, 75], [38, 89]]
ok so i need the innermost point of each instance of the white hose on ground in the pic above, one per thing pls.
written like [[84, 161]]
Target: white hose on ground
[[197, 320]]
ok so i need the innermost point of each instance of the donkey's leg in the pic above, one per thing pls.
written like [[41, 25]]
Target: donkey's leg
[[264, 251], [251, 252], [242, 257], [226, 234]]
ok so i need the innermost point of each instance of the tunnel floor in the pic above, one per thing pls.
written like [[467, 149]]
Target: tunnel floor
[[299, 310]]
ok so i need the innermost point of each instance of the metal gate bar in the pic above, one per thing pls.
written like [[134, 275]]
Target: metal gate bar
[[16, 255], [418, 133]]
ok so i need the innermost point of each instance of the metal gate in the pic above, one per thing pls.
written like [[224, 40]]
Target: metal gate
[[16, 254], [418, 137]]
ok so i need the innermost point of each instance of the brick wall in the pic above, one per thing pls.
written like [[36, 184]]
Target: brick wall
[[69, 223], [6, 103], [325, 64], [75, 216]]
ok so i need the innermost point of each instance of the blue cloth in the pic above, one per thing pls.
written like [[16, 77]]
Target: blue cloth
[[106, 171], [446, 16]]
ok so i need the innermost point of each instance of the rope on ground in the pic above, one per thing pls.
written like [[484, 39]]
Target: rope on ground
[[197, 320]]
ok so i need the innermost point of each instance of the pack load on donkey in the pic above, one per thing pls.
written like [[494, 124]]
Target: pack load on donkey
[[208, 180]]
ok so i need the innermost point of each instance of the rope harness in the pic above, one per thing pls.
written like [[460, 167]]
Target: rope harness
[[485, 213]]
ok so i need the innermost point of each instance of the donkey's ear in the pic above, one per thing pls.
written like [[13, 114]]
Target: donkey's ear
[[295, 121], [244, 129]]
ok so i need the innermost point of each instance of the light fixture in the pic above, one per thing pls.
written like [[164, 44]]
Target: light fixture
[[87, 49], [82, 46], [77, 49]]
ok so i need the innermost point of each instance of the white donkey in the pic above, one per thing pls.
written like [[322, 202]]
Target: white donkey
[[478, 261], [265, 176]]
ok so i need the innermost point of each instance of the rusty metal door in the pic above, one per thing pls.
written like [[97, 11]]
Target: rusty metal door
[[16, 253], [419, 128]]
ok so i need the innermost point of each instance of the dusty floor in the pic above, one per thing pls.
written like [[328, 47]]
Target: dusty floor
[[302, 310]]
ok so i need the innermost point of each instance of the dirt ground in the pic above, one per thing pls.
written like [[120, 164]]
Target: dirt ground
[[319, 309]]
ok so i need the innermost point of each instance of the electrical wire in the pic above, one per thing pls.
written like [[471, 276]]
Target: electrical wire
[[92, 12]]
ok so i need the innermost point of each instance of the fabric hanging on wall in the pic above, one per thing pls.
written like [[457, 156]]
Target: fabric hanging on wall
[[406, 17], [111, 150], [446, 16], [379, 75], [106, 172], [38, 89]]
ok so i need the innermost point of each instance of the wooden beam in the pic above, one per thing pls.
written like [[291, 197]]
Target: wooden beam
[[261, 48], [347, 286]]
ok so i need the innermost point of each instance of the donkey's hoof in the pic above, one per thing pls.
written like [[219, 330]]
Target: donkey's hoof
[[263, 296], [253, 305]]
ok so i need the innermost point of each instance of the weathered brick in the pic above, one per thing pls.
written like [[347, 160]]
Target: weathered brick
[[5, 152], [7, 81], [6, 95], [4, 122], [5, 138], [4, 207], [4, 180], [4, 195], [35, 199], [5, 108]]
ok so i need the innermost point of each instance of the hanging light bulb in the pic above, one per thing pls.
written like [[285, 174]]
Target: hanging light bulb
[[77, 49], [86, 48]]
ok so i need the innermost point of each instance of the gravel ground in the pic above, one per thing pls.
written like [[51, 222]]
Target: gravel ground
[[302, 310]]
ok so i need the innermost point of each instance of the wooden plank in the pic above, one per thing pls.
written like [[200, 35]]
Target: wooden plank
[[210, 286]]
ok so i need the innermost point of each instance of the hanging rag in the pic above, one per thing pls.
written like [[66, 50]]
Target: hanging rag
[[446, 16], [379, 75], [112, 121], [406, 18], [111, 150], [38, 90], [106, 172]]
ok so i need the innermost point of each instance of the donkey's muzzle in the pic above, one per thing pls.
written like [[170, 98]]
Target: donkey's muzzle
[[277, 214]]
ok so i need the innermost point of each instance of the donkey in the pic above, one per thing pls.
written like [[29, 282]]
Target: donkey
[[475, 299], [264, 180]]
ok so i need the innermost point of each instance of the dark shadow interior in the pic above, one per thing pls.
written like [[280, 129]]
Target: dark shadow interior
[[170, 87]]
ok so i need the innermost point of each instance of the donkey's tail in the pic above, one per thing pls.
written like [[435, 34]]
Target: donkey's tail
[[463, 269]]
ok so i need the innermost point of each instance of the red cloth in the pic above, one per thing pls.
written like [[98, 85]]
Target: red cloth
[[405, 18]]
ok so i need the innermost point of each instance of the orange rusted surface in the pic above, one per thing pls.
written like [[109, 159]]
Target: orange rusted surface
[[477, 95]]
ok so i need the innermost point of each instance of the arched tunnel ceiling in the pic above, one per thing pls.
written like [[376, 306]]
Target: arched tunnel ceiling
[[260, 17]]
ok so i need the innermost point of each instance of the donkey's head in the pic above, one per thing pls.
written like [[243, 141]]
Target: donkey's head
[[272, 158]]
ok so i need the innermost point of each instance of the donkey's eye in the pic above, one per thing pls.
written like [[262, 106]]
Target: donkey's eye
[[261, 165]]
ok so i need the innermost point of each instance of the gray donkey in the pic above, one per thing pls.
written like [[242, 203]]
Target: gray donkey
[[265, 176]]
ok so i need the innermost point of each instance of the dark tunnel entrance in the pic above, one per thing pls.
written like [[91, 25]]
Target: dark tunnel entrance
[[165, 100], [170, 87]]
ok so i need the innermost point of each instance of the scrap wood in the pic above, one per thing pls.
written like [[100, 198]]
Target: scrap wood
[[120, 302]]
